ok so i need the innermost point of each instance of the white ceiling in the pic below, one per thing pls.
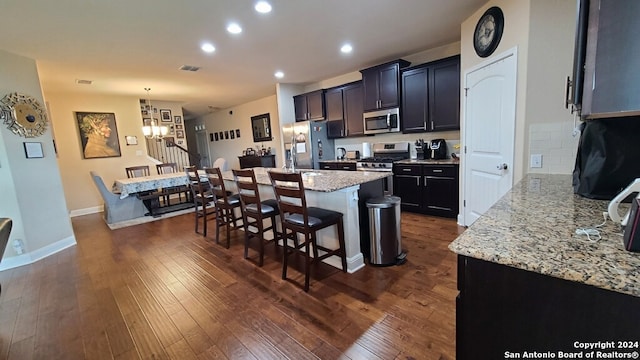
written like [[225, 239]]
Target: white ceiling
[[124, 46]]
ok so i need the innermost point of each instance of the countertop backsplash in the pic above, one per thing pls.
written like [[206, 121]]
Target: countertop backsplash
[[452, 138]]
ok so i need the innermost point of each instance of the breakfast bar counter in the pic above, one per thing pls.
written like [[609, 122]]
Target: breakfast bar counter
[[528, 282], [343, 191]]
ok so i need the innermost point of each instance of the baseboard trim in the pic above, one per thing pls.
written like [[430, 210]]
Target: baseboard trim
[[86, 211], [29, 258]]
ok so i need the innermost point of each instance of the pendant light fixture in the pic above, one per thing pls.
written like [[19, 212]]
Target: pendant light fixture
[[151, 128]]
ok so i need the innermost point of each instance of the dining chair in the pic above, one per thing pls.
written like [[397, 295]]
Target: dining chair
[[226, 203], [203, 199], [220, 163], [115, 208], [254, 212], [5, 230], [137, 171], [298, 218], [171, 168]]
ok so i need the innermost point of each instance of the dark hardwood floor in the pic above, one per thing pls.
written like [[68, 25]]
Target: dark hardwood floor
[[160, 291]]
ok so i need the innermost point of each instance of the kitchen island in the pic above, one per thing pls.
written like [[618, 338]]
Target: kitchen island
[[343, 191], [529, 283]]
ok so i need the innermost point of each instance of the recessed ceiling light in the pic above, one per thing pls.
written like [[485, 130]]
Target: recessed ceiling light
[[263, 7], [234, 28], [279, 74], [208, 48], [346, 48]]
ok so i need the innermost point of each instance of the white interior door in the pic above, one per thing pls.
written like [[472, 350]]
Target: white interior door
[[490, 105], [203, 148]]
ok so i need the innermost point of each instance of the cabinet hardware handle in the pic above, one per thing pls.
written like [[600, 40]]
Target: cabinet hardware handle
[[406, 169], [432, 125], [345, 167], [437, 170]]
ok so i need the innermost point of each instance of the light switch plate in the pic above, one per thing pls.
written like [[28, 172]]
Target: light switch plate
[[536, 160]]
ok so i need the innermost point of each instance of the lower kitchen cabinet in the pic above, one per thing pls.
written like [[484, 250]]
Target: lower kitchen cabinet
[[338, 165], [501, 310], [427, 189]]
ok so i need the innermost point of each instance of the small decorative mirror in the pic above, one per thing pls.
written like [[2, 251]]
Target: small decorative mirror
[[261, 127]]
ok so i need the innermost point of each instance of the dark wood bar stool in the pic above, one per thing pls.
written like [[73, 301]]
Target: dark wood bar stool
[[254, 212], [225, 204], [202, 196], [296, 217], [137, 171]]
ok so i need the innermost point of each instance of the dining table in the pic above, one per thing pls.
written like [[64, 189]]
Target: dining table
[[150, 189]]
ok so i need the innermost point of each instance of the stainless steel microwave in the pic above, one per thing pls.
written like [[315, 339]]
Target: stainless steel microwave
[[383, 121]]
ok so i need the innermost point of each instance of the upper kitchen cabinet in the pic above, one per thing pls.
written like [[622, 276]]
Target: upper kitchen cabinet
[[381, 85], [611, 86], [309, 106], [344, 110], [431, 96]]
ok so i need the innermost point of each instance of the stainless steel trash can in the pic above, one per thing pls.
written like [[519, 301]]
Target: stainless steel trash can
[[384, 231]]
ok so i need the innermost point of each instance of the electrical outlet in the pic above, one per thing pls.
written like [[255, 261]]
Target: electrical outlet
[[536, 160]]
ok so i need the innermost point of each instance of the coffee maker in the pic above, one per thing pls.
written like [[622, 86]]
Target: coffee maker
[[437, 150]]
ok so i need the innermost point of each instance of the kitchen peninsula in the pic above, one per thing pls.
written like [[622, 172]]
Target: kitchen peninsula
[[529, 282], [343, 191]]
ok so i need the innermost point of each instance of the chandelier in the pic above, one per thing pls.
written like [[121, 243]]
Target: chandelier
[[151, 129]]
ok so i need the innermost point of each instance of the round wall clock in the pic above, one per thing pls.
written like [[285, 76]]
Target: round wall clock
[[23, 115], [488, 32]]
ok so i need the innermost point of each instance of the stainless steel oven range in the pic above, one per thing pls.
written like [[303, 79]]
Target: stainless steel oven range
[[384, 155]]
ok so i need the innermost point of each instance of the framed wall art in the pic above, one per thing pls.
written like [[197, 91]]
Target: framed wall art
[[238, 133], [165, 115], [33, 150], [221, 135], [178, 119], [261, 127], [215, 136], [232, 134], [98, 134], [131, 139], [180, 134]]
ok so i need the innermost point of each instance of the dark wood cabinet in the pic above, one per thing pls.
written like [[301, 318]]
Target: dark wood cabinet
[[440, 184], [407, 184], [309, 106], [611, 86], [431, 96], [430, 189], [267, 161], [381, 85], [415, 100], [344, 110], [338, 165], [504, 309]]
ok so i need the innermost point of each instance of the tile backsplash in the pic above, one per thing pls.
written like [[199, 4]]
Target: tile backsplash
[[557, 144]]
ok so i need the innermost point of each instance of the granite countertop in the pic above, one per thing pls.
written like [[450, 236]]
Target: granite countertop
[[428, 161], [320, 180], [533, 228], [349, 161]]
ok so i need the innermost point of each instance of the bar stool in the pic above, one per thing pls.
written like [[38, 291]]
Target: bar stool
[[225, 203], [254, 212], [202, 196], [298, 218]]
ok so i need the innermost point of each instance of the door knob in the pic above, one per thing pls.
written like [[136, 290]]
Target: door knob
[[502, 166]]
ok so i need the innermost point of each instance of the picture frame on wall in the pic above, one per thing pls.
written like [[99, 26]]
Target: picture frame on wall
[[232, 134], [178, 119], [221, 135], [210, 136], [98, 134], [238, 133], [226, 134], [33, 150], [180, 134], [131, 140], [165, 115], [215, 135], [178, 127]]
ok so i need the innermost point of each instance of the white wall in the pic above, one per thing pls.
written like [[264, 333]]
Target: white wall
[[80, 192], [549, 125], [31, 188], [240, 119]]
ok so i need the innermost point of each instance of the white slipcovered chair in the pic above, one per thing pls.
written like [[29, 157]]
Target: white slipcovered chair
[[221, 163], [116, 209]]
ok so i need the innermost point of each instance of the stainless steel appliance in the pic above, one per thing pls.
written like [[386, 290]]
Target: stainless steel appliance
[[383, 121], [306, 144], [384, 154]]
